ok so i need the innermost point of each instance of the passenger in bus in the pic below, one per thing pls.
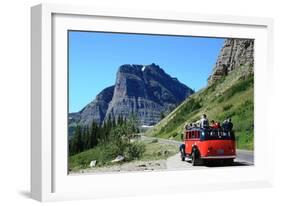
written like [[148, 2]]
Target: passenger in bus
[[215, 125], [227, 124], [212, 123], [188, 126], [204, 122], [218, 125]]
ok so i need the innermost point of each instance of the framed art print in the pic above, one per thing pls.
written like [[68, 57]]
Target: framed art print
[[135, 102]]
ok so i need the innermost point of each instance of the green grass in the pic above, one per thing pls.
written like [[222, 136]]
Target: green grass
[[151, 150], [102, 153], [232, 96], [156, 151]]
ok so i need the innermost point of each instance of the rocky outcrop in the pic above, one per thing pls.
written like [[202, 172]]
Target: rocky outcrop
[[234, 54], [141, 90], [96, 110]]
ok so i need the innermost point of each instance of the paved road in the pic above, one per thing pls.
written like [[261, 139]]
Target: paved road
[[244, 157]]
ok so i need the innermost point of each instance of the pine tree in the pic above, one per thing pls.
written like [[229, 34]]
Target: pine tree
[[83, 138], [87, 142], [77, 144], [113, 124], [109, 122], [93, 135], [119, 120]]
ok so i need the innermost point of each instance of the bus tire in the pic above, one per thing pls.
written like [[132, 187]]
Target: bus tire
[[195, 158], [182, 152], [182, 158]]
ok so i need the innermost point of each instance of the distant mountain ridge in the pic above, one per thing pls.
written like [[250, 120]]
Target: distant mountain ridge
[[145, 91]]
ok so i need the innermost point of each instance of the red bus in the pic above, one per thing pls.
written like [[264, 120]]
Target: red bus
[[205, 145]]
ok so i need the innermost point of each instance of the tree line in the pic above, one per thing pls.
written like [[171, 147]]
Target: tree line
[[87, 137]]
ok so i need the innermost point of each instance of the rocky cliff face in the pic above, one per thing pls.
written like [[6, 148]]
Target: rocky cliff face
[[143, 91], [235, 53], [95, 110]]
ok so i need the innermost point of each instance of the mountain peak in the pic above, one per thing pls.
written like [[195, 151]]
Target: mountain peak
[[143, 90], [138, 67]]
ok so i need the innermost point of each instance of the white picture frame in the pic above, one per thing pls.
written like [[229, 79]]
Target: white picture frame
[[49, 179]]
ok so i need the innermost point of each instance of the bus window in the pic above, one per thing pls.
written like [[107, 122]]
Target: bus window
[[186, 135], [218, 134], [193, 135], [197, 135]]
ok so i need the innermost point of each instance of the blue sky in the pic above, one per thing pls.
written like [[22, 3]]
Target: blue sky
[[94, 58]]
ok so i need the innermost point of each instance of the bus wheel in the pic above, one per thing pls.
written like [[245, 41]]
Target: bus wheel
[[182, 158], [195, 159], [182, 153]]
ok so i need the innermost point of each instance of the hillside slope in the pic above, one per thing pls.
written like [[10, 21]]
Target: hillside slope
[[230, 95]]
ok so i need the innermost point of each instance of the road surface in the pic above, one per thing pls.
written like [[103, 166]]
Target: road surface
[[244, 157]]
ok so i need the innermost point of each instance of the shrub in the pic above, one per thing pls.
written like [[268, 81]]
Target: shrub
[[135, 151], [174, 134], [220, 99], [227, 107]]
